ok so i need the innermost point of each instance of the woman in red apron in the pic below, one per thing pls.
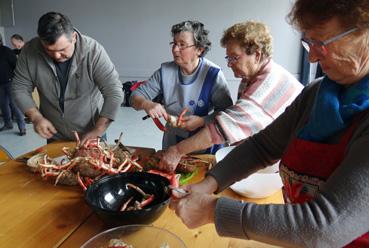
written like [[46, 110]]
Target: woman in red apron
[[322, 140]]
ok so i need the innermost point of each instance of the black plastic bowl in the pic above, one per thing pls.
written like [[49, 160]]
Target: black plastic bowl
[[107, 195]]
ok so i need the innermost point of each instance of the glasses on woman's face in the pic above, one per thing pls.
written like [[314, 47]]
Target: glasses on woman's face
[[180, 46], [232, 59], [321, 46]]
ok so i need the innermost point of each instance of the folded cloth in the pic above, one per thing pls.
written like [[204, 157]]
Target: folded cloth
[[334, 108]]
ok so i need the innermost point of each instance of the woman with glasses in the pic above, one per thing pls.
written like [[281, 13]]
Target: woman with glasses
[[266, 89], [322, 140], [189, 81]]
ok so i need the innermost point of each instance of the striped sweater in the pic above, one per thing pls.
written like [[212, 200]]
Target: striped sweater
[[259, 103]]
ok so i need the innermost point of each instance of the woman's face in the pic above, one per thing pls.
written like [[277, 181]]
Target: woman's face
[[184, 50], [346, 60], [243, 65]]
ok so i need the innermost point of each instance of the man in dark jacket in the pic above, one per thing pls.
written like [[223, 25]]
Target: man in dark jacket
[[7, 65]]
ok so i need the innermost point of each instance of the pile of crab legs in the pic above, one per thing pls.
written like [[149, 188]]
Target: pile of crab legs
[[91, 161]]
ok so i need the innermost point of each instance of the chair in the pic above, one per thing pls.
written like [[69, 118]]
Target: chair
[[4, 155]]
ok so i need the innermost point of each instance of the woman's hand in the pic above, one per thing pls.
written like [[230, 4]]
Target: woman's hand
[[155, 110], [192, 122], [195, 209], [209, 185], [170, 159]]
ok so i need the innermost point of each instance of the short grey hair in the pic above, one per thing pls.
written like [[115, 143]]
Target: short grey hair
[[200, 34]]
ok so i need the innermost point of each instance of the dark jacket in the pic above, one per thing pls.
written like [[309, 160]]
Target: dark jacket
[[8, 61]]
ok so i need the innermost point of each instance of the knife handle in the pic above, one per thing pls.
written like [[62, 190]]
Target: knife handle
[[145, 117]]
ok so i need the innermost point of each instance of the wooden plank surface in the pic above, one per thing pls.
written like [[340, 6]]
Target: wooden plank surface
[[34, 212]]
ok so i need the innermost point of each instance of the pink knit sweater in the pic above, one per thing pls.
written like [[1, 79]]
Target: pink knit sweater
[[260, 102]]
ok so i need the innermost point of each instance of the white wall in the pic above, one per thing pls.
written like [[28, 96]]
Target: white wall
[[136, 33]]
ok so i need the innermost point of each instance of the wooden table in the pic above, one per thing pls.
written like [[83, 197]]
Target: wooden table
[[35, 213]]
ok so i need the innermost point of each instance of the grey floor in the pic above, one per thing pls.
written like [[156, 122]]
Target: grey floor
[[136, 132]]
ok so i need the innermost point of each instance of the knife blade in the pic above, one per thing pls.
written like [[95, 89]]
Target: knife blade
[[148, 116], [180, 191]]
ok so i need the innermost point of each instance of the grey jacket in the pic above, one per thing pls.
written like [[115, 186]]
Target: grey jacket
[[336, 216], [93, 90]]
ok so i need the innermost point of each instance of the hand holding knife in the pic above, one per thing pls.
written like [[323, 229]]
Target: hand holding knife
[[180, 192], [148, 116]]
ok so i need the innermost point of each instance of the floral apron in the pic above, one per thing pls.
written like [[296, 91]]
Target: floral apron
[[306, 165]]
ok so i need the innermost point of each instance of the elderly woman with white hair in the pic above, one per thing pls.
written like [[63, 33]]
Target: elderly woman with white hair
[[189, 81]]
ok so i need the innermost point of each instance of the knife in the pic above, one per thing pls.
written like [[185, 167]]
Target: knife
[[148, 116], [180, 191]]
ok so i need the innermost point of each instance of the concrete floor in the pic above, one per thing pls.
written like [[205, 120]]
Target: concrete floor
[[136, 132]]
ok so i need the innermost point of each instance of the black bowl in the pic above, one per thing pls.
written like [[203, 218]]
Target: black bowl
[[107, 195]]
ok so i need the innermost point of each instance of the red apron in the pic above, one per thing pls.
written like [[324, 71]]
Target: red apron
[[307, 164]]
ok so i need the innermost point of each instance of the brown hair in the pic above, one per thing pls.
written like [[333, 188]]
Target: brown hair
[[307, 14], [251, 35]]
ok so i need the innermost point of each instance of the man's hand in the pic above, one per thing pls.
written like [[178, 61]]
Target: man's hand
[[90, 135], [192, 122], [170, 159], [101, 125], [43, 127]]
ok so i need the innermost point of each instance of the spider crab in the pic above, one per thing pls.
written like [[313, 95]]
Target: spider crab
[[88, 162]]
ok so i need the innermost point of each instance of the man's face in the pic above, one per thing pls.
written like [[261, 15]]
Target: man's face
[[63, 49], [18, 44]]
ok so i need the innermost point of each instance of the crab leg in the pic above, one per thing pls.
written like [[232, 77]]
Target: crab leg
[[58, 177], [147, 197], [120, 167], [180, 117], [77, 138], [125, 169], [173, 178], [125, 205], [81, 182], [138, 189], [137, 165], [159, 124], [147, 201]]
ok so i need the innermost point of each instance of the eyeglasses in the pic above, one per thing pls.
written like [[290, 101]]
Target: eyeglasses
[[232, 59], [180, 46], [320, 46]]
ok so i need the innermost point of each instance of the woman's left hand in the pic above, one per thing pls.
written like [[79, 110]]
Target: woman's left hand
[[195, 209], [192, 122]]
